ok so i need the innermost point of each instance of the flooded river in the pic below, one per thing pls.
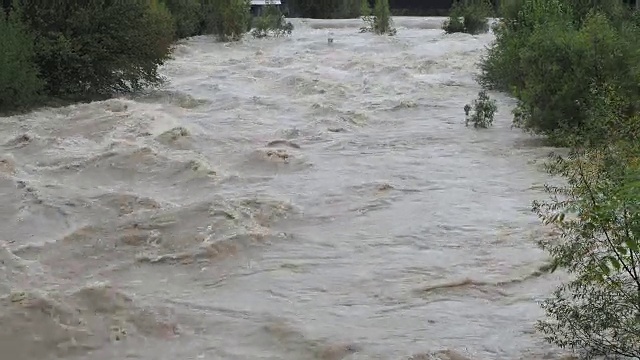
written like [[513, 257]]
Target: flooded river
[[277, 199]]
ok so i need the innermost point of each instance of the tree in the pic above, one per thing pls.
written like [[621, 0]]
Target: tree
[[227, 19], [468, 16], [19, 81], [101, 47], [597, 217], [380, 21]]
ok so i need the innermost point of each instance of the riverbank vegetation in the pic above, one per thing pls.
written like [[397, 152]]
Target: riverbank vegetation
[[573, 66], [377, 20], [271, 23], [85, 50], [468, 16]]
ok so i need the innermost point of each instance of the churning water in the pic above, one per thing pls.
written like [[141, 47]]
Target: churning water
[[277, 199]]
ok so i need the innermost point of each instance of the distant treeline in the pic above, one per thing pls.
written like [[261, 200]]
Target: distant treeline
[[331, 9], [328, 9]]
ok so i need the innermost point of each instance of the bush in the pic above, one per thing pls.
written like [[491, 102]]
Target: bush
[[99, 48], [572, 65], [188, 17], [484, 109], [552, 58], [379, 21], [598, 220], [229, 20], [501, 68], [19, 82], [469, 17], [271, 22]]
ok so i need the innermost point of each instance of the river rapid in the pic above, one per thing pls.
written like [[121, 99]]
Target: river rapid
[[277, 199]]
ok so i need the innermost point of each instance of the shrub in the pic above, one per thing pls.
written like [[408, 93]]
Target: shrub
[[188, 17], [572, 65], [552, 60], [501, 67], [484, 109], [19, 82], [597, 313], [271, 22], [469, 17], [563, 66], [229, 20], [99, 48], [379, 20]]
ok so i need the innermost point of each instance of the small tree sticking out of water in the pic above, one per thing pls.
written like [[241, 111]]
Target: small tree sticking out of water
[[380, 22], [271, 23], [484, 109], [468, 16]]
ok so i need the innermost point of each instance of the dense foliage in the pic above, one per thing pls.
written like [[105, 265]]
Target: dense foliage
[[561, 51], [98, 48], [19, 81], [188, 16], [271, 23], [574, 67], [92, 49], [229, 20], [597, 218], [468, 16]]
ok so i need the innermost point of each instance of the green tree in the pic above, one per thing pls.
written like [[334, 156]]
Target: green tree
[[597, 217], [19, 81], [229, 20], [551, 57], [382, 23], [379, 20], [101, 47], [188, 17], [468, 16]]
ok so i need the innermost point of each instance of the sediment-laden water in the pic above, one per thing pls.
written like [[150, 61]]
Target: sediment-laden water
[[277, 199]]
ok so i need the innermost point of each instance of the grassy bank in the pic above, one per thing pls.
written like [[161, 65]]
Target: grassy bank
[[574, 68]]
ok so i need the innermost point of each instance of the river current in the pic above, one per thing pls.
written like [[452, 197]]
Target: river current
[[282, 198]]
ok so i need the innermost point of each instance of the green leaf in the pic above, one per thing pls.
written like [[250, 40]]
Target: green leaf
[[615, 263], [605, 268], [621, 250], [632, 244]]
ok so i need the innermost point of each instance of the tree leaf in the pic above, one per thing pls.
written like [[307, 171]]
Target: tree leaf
[[605, 268], [632, 244], [615, 263]]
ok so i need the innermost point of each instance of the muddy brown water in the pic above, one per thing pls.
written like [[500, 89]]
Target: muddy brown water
[[277, 199]]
